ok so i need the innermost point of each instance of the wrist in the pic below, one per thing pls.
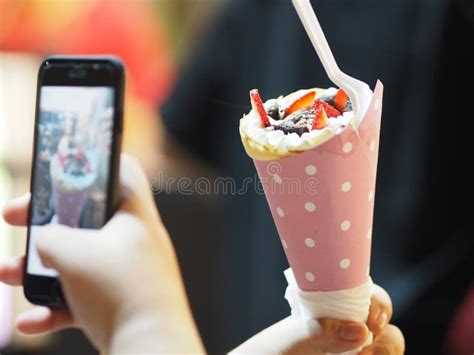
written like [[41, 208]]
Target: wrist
[[154, 333]]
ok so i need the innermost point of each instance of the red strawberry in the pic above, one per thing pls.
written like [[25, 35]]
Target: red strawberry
[[79, 154], [320, 117], [340, 101], [257, 106], [62, 161], [330, 111], [301, 103]]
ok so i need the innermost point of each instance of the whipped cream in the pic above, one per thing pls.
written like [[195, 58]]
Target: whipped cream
[[279, 142], [69, 182]]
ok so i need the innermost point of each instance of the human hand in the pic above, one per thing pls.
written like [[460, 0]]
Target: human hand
[[388, 339], [290, 336], [122, 282]]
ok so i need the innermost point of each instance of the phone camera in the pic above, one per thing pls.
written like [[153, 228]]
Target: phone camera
[[77, 73]]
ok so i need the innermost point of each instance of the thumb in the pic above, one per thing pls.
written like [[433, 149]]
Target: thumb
[[338, 336], [135, 198], [60, 247], [389, 342]]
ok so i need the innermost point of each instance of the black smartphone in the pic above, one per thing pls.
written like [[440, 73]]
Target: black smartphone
[[76, 156]]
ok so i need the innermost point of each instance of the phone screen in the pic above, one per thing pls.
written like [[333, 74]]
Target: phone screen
[[72, 161]]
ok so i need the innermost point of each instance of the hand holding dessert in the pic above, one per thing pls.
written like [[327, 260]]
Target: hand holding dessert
[[290, 337]]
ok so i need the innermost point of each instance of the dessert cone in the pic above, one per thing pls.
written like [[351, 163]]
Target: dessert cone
[[322, 202]]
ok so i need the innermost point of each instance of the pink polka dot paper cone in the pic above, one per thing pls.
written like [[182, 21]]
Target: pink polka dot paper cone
[[322, 202]]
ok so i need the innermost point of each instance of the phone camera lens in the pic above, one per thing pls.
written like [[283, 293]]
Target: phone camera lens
[[77, 73]]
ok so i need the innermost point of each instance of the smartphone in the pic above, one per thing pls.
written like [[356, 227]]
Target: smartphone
[[76, 156]]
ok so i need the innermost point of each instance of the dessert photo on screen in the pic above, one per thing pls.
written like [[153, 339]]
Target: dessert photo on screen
[[73, 155], [72, 161]]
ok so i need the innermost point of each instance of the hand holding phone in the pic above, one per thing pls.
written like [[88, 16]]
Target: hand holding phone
[[122, 282]]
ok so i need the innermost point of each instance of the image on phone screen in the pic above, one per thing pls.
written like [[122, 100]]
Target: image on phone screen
[[71, 171]]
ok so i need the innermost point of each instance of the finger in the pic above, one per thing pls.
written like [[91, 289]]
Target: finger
[[132, 182], [334, 336], [61, 247], [11, 271], [16, 211], [135, 200], [339, 336], [43, 320], [132, 175], [380, 311], [389, 342]]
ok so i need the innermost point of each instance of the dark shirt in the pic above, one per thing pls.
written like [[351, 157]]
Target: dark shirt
[[422, 50]]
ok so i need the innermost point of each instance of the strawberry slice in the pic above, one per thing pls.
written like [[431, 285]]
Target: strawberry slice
[[62, 161], [301, 103], [257, 106], [320, 117], [340, 101], [330, 111]]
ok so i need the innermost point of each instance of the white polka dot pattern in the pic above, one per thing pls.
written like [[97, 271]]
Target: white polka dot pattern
[[310, 207], [372, 146], [311, 170], [309, 242], [309, 276], [346, 187], [345, 225], [347, 147], [344, 263], [280, 212]]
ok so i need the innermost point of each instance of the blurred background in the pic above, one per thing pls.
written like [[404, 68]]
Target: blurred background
[[190, 65]]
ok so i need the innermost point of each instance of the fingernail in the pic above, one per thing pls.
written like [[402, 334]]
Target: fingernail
[[351, 332], [382, 319], [20, 199]]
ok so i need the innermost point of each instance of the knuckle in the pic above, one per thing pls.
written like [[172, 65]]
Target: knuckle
[[390, 342], [399, 345], [131, 162], [329, 326], [382, 349], [381, 298]]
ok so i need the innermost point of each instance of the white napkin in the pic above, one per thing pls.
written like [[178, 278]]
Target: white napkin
[[349, 304]]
